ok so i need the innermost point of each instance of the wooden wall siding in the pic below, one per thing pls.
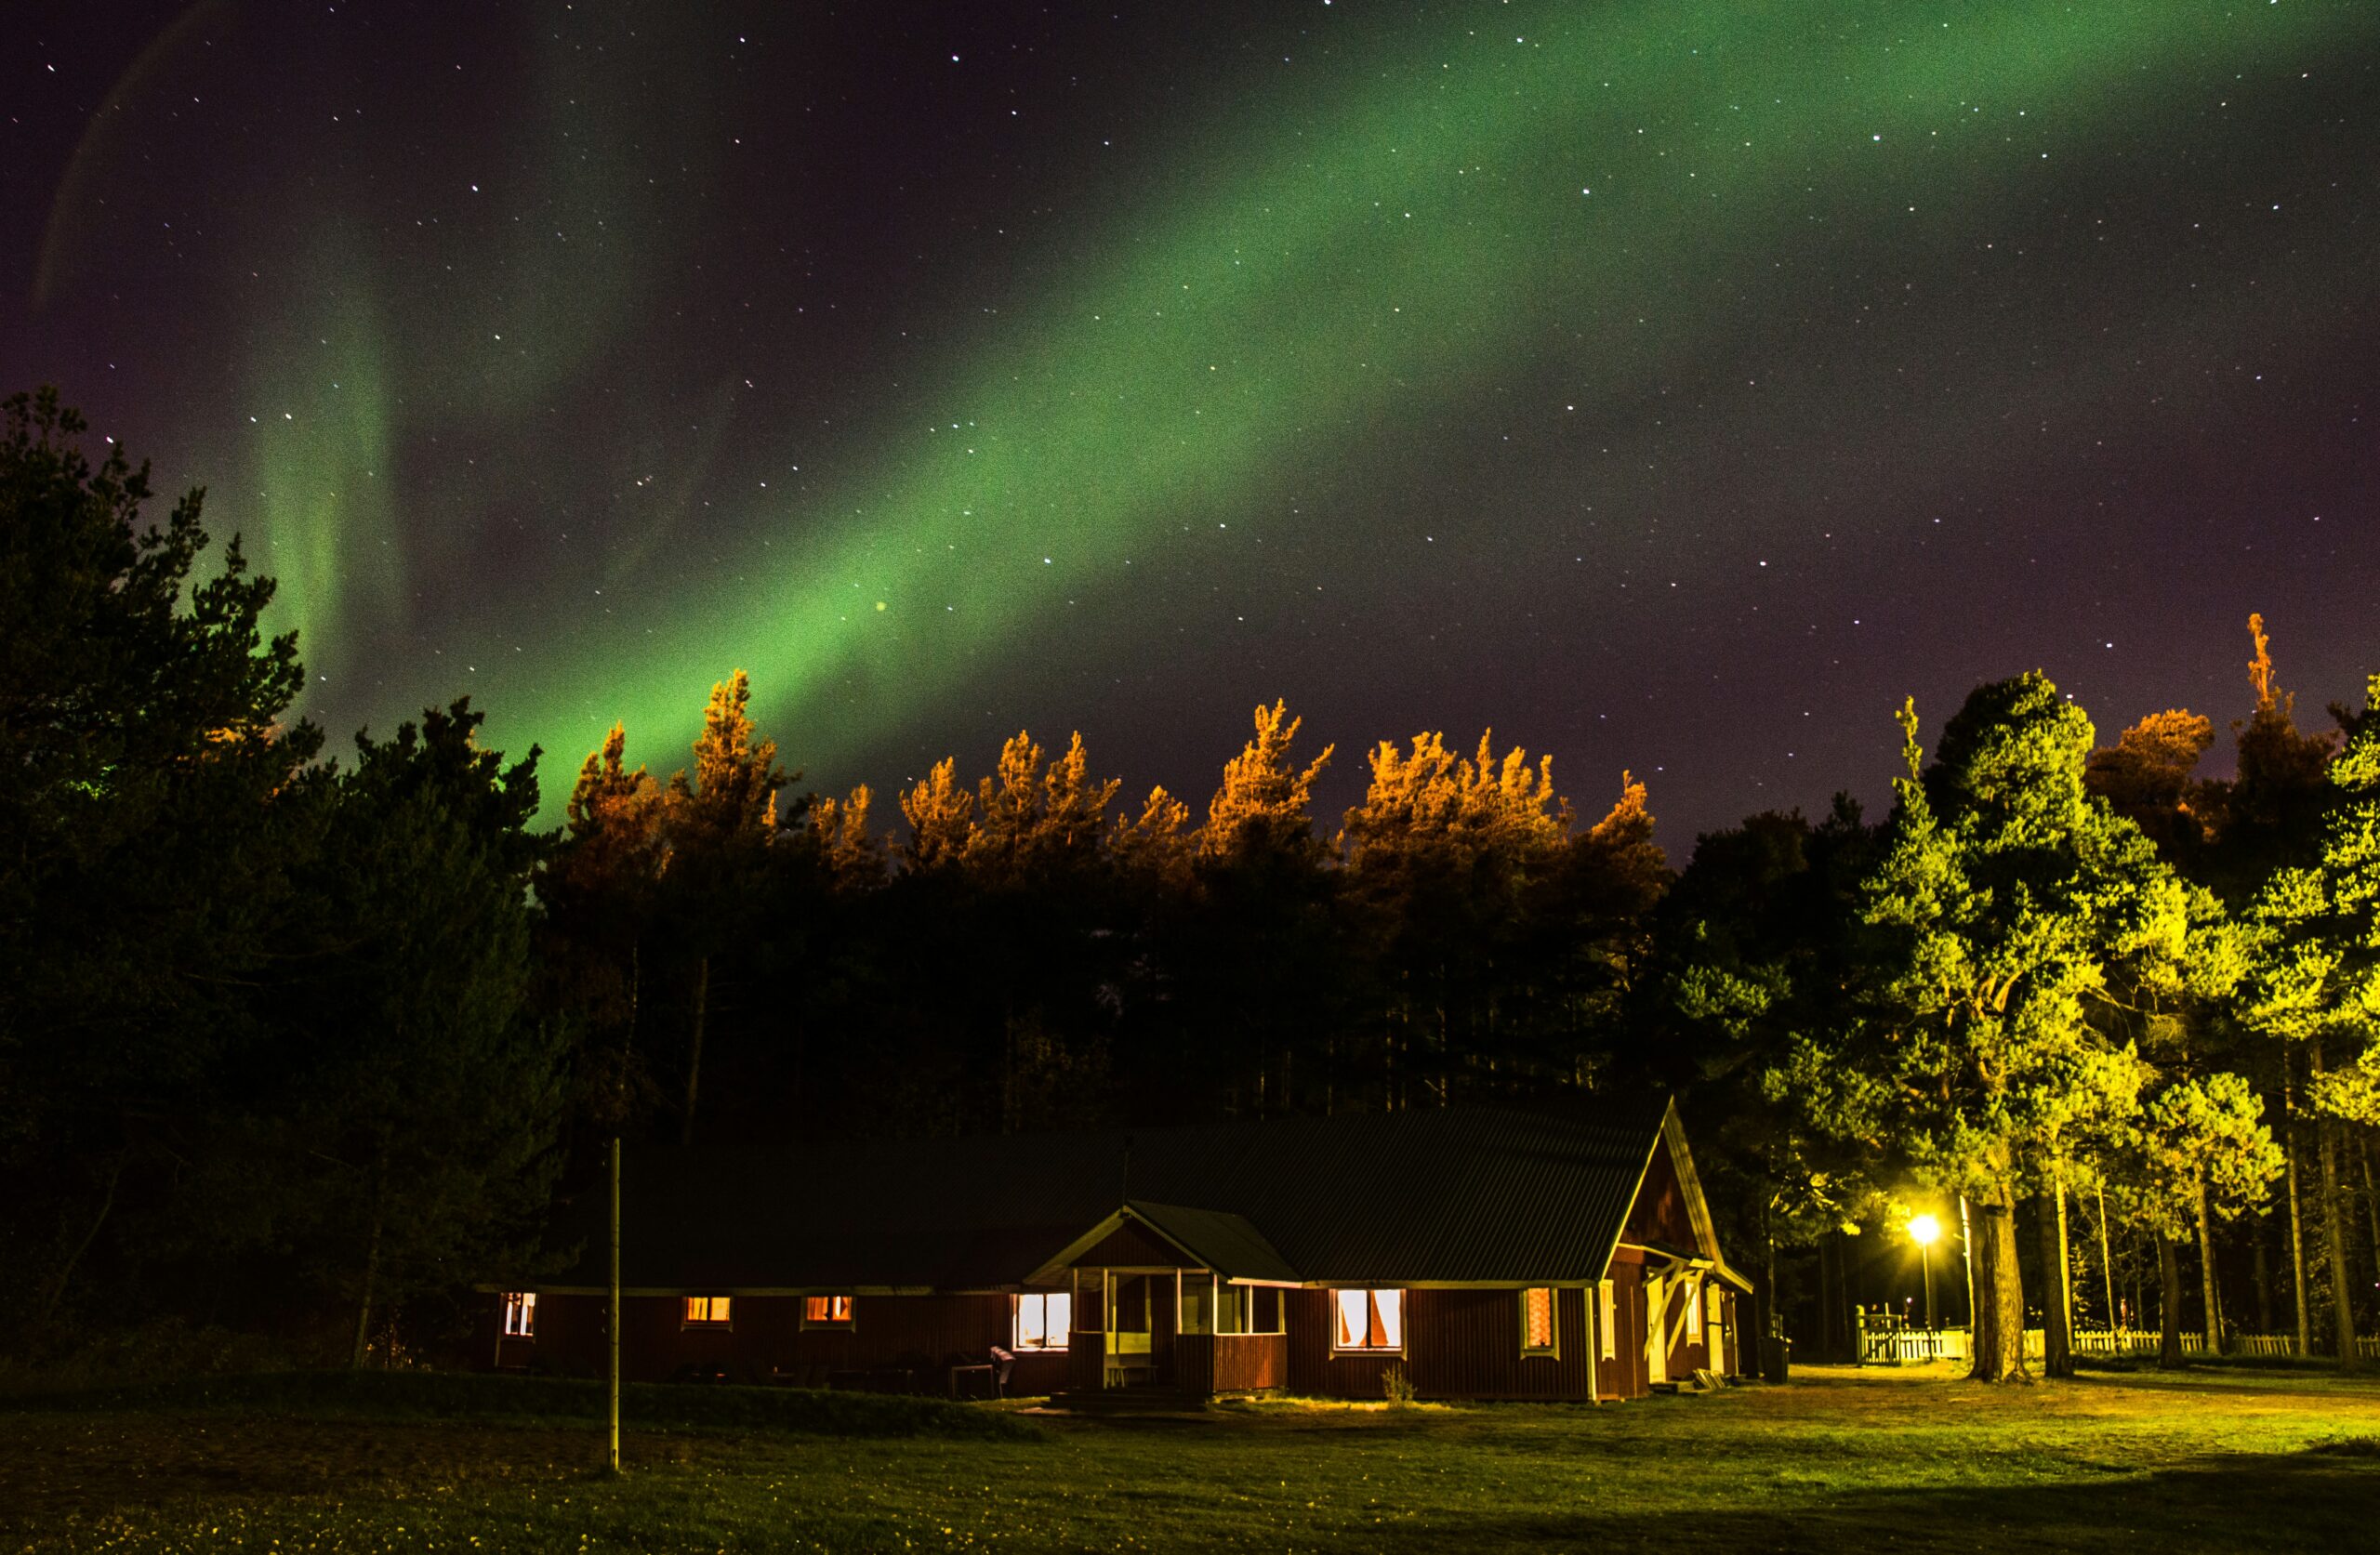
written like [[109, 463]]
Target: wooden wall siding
[[1129, 1246], [1459, 1344], [1210, 1364], [1467, 1344], [1660, 1213], [767, 1335], [1246, 1363]]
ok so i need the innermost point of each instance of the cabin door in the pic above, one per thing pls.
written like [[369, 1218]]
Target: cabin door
[[1657, 1330]]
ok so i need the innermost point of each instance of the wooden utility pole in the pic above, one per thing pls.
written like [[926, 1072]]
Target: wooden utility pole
[[614, 1323]]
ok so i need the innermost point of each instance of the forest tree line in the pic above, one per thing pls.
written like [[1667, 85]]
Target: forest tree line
[[305, 1047]]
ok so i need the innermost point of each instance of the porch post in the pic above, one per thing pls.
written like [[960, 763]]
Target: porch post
[[1588, 1301]]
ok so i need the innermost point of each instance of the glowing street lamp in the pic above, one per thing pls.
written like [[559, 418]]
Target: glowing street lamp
[[1925, 1230]]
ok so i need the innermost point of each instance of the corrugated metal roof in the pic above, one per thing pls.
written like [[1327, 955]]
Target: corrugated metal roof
[[1385, 1198]]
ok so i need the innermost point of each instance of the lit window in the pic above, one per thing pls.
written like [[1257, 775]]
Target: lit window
[[1536, 1321], [1608, 1321], [826, 1310], [1370, 1319], [520, 1314], [1044, 1319], [1694, 1316], [709, 1310]]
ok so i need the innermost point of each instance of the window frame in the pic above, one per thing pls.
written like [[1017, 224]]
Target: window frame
[[520, 1314], [1606, 1320], [851, 1310], [719, 1312], [1552, 1347], [1338, 1296], [1055, 1339], [1238, 1304]]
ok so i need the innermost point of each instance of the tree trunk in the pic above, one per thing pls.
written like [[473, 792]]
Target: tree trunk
[[2264, 1282], [1999, 1291], [2169, 1303], [2057, 1312], [2108, 1267], [2334, 1234], [694, 1049], [107, 1202], [371, 1261], [2371, 1204], [2210, 1289], [2296, 1223]]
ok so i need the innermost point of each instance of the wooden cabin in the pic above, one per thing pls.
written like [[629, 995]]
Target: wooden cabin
[[1482, 1254]]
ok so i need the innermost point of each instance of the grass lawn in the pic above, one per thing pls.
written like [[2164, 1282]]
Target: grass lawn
[[2209, 1459]]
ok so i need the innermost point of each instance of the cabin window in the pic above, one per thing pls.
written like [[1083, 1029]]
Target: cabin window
[[1043, 1320], [1369, 1319], [1537, 1322], [1694, 1315], [521, 1314], [1248, 1310], [706, 1312], [1608, 1321], [825, 1312]]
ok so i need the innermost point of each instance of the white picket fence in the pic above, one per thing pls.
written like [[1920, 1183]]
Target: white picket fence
[[1898, 1346], [2368, 1345]]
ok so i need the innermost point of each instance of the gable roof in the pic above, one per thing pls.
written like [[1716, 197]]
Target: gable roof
[[1459, 1196], [1214, 1239]]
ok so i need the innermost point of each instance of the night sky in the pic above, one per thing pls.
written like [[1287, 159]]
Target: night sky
[[1670, 386]]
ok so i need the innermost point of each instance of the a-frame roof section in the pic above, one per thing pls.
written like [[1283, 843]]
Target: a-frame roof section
[[1672, 1138], [1212, 1239]]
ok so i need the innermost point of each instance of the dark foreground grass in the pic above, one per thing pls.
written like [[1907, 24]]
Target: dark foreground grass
[[427, 1396], [2205, 1460]]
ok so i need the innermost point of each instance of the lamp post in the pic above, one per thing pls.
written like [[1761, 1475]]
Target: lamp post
[[1925, 1230]]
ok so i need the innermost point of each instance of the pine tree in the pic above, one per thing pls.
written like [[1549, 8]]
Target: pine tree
[[156, 805], [2315, 988], [2010, 916], [601, 889], [855, 855], [723, 826], [409, 1131], [1266, 803], [2145, 777], [2199, 1151], [940, 816]]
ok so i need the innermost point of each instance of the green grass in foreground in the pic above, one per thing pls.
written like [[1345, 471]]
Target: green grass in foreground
[[2203, 1461], [426, 1396]]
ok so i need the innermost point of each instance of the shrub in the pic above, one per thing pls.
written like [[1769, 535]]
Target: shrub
[[1396, 1385]]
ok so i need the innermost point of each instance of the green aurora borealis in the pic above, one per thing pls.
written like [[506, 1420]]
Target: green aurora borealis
[[516, 450]]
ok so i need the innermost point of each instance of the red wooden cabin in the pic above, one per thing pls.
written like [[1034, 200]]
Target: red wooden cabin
[[1483, 1254]]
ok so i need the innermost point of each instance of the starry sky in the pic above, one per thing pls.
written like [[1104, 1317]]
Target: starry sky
[[1669, 386]]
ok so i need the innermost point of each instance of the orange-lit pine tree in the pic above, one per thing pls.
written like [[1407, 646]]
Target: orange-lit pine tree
[[1266, 803]]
